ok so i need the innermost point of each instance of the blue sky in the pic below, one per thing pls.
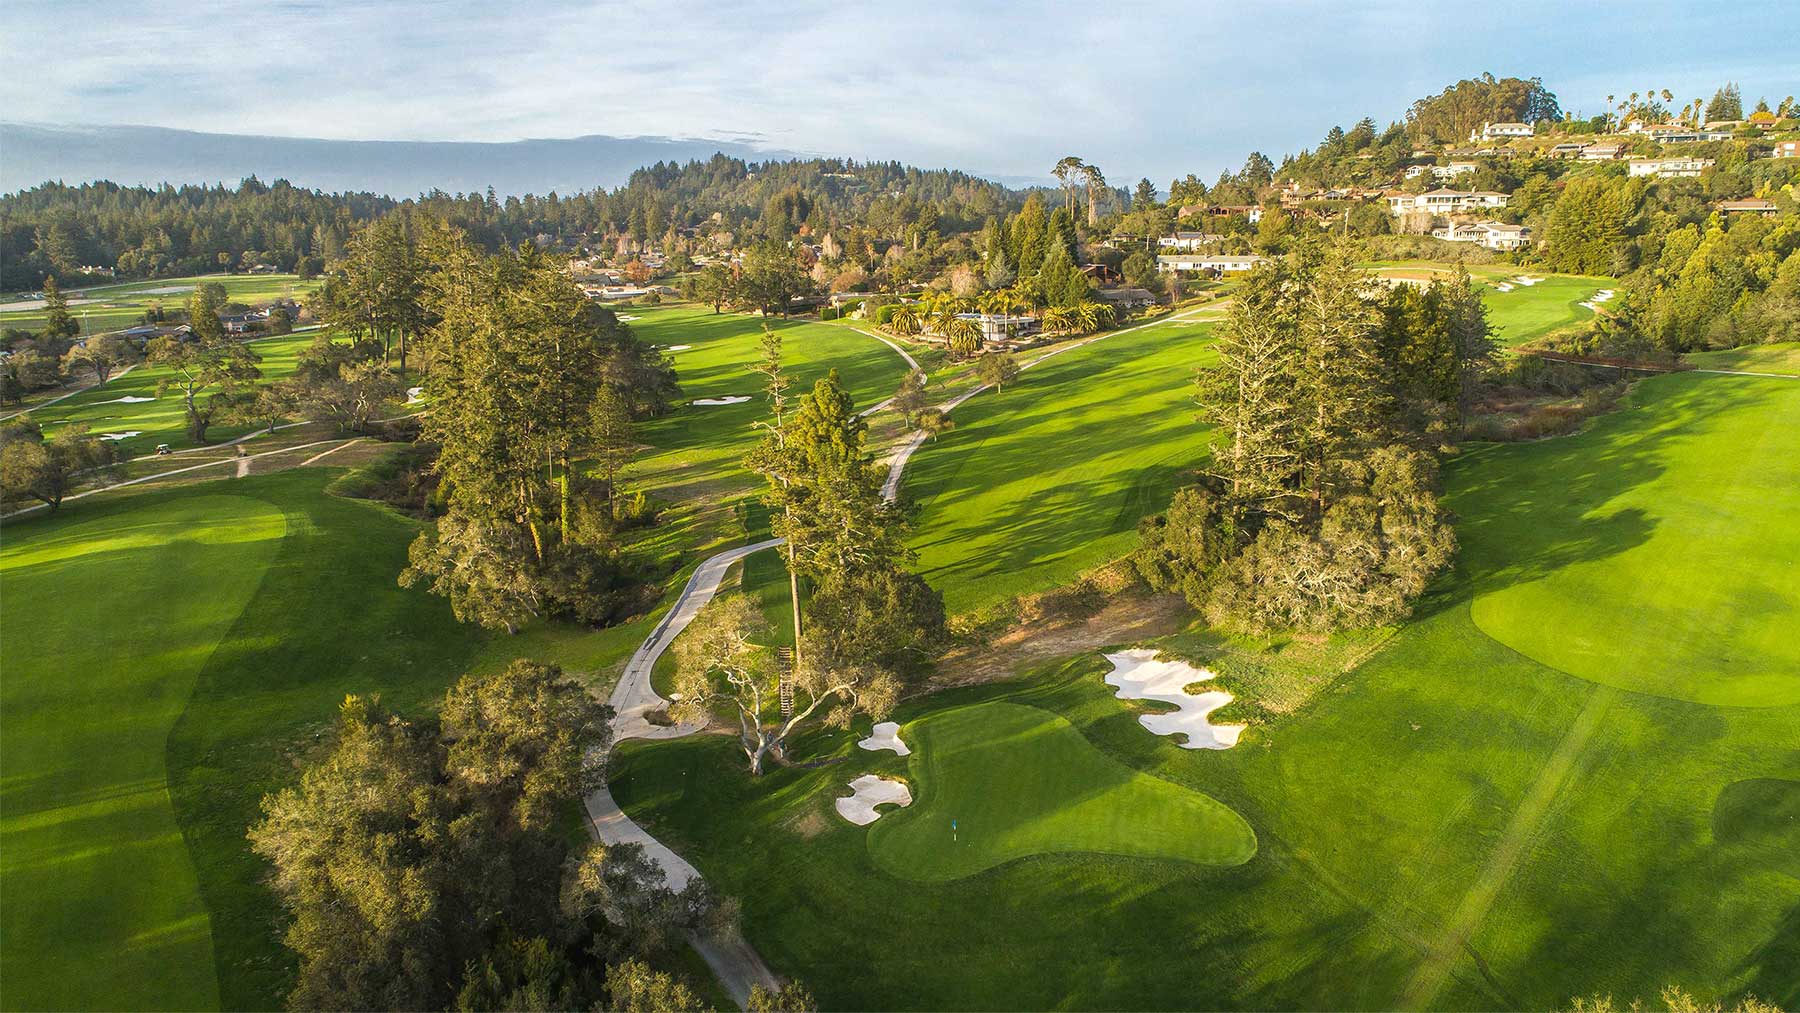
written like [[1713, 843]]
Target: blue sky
[[1139, 88]]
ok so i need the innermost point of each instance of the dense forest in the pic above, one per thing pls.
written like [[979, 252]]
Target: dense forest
[[168, 231]]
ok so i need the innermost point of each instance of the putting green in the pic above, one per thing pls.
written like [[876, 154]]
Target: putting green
[[1020, 781], [1655, 552], [105, 637]]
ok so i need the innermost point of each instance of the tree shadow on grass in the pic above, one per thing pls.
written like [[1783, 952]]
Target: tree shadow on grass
[[1525, 511]]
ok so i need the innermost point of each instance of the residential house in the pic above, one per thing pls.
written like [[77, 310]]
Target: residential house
[[1675, 133], [1488, 235], [1786, 149], [1763, 120], [1444, 202], [243, 323], [1602, 152], [1453, 170], [1100, 274], [1003, 327], [1218, 264], [1668, 168], [1188, 241], [1567, 149], [141, 336], [1749, 206], [1127, 298], [1497, 130]]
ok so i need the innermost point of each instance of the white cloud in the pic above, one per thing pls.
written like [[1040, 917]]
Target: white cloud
[[1139, 87]]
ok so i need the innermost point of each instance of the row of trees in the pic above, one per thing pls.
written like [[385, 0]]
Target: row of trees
[[1319, 508]]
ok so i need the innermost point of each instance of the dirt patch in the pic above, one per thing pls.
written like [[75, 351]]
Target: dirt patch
[[1047, 634], [809, 824]]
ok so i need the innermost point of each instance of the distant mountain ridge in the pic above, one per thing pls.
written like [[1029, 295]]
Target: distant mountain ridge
[[33, 153]]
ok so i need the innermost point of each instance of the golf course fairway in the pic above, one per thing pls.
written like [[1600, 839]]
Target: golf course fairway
[[1020, 781], [1642, 553], [102, 899]]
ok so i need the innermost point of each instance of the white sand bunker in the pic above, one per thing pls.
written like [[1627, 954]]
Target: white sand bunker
[[126, 435], [414, 395], [127, 399], [677, 348], [1139, 676], [720, 400], [871, 791], [1503, 287], [1527, 280], [629, 317], [887, 736]]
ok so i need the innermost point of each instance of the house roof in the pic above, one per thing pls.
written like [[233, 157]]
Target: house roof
[[1747, 204]]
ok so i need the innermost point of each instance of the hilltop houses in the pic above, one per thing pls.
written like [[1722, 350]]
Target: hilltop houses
[[1668, 168], [1188, 242], [1496, 236], [1490, 131], [1748, 206], [1218, 264], [1444, 202]]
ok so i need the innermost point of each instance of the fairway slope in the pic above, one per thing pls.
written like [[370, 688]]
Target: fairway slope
[[103, 645], [1020, 781], [1643, 553]]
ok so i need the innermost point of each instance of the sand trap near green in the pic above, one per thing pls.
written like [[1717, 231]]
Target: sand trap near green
[[107, 624], [1020, 781], [1655, 552]]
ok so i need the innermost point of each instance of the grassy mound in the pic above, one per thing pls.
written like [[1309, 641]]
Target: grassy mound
[[1020, 781], [1050, 477], [104, 642], [1644, 553]]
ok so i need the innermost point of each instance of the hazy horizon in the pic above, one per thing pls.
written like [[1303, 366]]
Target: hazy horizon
[[999, 89]]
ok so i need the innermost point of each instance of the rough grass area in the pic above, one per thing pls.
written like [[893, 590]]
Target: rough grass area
[[1049, 477], [1019, 781], [1649, 552], [1780, 357]]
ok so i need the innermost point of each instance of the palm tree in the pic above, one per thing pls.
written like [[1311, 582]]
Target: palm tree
[[904, 321], [1059, 318], [963, 334], [1105, 316]]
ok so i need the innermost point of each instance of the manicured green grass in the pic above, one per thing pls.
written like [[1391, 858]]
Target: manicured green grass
[[164, 418], [1781, 357], [1050, 477], [1018, 781], [114, 307], [1530, 312], [1644, 553], [1526, 312], [1453, 825], [103, 907], [169, 658], [702, 446]]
